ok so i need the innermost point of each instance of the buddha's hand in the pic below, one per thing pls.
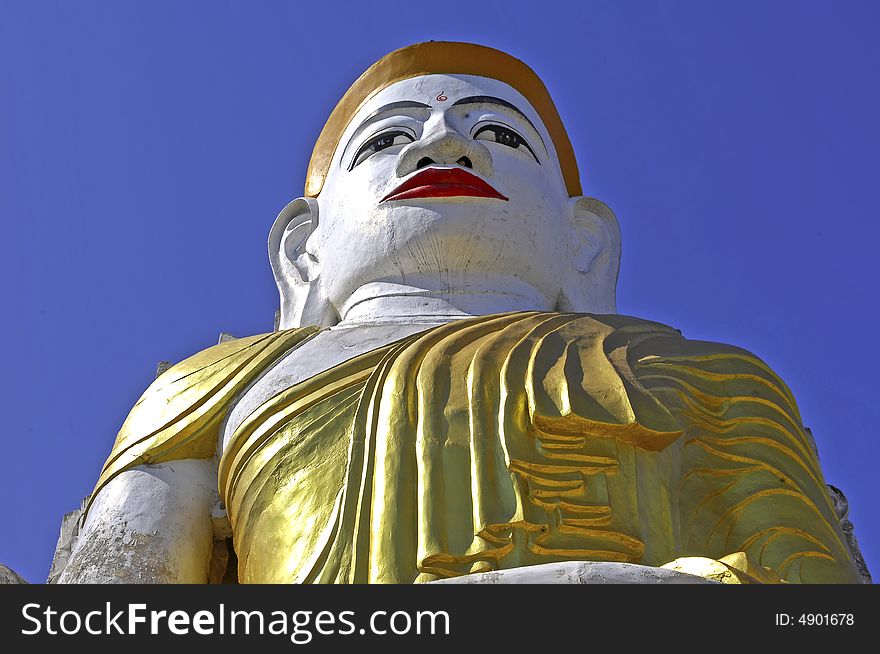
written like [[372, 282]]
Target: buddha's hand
[[734, 568]]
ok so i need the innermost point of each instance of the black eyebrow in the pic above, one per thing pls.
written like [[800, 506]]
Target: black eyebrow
[[403, 104], [488, 99]]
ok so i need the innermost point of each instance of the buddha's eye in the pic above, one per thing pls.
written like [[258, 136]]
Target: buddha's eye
[[381, 142], [504, 136]]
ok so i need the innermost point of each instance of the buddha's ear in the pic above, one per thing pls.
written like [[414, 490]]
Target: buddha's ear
[[590, 283], [297, 268]]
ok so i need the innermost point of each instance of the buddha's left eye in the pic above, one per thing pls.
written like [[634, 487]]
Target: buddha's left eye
[[381, 142], [504, 136]]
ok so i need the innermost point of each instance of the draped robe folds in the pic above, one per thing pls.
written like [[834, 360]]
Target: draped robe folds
[[497, 442]]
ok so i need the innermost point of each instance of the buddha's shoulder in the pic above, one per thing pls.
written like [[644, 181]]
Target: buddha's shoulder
[[192, 395], [636, 331], [231, 352], [225, 366], [651, 343]]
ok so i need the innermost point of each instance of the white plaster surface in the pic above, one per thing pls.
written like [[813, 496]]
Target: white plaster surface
[[10, 576], [151, 524], [67, 539], [580, 572]]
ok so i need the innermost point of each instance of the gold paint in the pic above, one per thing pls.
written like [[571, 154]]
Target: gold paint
[[442, 57], [501, 441], [179, 415]]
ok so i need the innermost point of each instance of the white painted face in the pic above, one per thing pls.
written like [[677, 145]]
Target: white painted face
[[445, 235]]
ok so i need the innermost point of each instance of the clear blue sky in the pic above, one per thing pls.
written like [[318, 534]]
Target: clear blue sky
[[145, 149]]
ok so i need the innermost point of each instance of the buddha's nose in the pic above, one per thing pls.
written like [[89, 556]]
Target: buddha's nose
[[444, 145]]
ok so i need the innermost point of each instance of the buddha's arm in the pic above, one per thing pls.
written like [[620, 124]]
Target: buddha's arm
[[149, 524], [751, 481], [149, 518]]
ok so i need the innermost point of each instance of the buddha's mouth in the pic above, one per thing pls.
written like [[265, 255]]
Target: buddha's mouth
[[435, 182]]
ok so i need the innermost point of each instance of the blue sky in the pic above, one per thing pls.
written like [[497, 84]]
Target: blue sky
[[146, 147]]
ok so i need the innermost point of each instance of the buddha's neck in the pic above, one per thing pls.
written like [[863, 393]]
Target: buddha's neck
[[387, 302]]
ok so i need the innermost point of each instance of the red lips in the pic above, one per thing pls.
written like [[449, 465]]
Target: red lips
[[443, 183]]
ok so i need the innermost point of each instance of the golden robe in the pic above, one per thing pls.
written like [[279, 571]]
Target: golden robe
[[496, 442]]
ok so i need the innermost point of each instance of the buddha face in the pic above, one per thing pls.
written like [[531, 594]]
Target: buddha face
[[448, 183]]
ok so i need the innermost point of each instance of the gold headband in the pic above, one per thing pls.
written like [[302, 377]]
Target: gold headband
[[442, 57]]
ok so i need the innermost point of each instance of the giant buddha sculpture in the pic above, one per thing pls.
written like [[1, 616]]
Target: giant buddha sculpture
[[449, 391]]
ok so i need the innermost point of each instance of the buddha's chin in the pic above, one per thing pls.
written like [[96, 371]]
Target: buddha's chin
[[455, 217], [467, 239], [460, 248], [479, 290]]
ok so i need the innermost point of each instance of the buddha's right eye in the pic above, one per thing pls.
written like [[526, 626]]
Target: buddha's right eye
[[381, 142]]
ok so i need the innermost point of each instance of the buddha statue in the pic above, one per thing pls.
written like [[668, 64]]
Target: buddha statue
[[449, 390]]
